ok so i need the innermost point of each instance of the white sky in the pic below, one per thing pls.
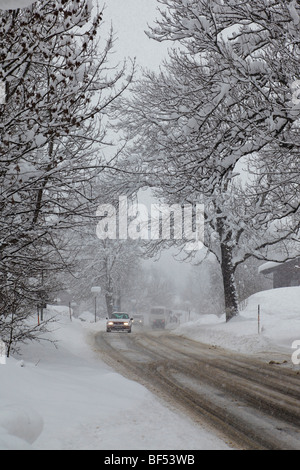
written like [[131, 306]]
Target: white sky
[[130, 19], [11, 4]]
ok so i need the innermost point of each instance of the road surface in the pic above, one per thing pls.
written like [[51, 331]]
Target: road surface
[[248, 402]]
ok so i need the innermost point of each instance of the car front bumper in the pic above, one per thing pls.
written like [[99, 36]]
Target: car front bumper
[[118, 327]]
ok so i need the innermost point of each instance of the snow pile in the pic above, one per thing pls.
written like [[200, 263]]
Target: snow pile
[[87, 316], [21, 422], [279, 324]]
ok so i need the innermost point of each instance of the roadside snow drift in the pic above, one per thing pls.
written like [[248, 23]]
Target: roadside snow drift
[[279, 324], [21, 422]]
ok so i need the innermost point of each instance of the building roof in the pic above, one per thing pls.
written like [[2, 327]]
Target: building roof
[[271, 266], [268, 267]]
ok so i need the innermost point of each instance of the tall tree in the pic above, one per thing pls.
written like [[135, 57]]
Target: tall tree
[[59, 86], [224, 96]]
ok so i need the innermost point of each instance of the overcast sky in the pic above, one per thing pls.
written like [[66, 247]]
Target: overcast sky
[[130, 19]]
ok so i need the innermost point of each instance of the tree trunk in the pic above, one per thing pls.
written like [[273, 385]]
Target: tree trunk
[[230, 294], [109, 296], [109, 303]]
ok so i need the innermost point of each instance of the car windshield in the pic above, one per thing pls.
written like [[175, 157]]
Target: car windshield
[[120, 316]]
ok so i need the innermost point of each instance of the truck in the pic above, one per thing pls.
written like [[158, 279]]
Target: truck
[[159, 317]]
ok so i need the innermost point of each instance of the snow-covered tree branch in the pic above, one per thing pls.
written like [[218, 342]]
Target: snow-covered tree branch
[[59, 87], [222, 100]]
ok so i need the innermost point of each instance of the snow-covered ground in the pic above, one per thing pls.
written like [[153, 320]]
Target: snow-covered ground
[[67, 398]]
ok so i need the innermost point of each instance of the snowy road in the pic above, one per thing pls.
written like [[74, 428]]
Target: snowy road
[[249, 403]]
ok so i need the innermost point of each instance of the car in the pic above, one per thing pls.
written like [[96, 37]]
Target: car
[[119, 321], [138, 320]]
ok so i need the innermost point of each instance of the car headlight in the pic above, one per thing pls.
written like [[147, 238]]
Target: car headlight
[[110, 323], [126, 323]]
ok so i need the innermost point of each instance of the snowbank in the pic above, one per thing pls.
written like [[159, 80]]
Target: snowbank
[[279, 324], [87, 316], [21, 422]]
